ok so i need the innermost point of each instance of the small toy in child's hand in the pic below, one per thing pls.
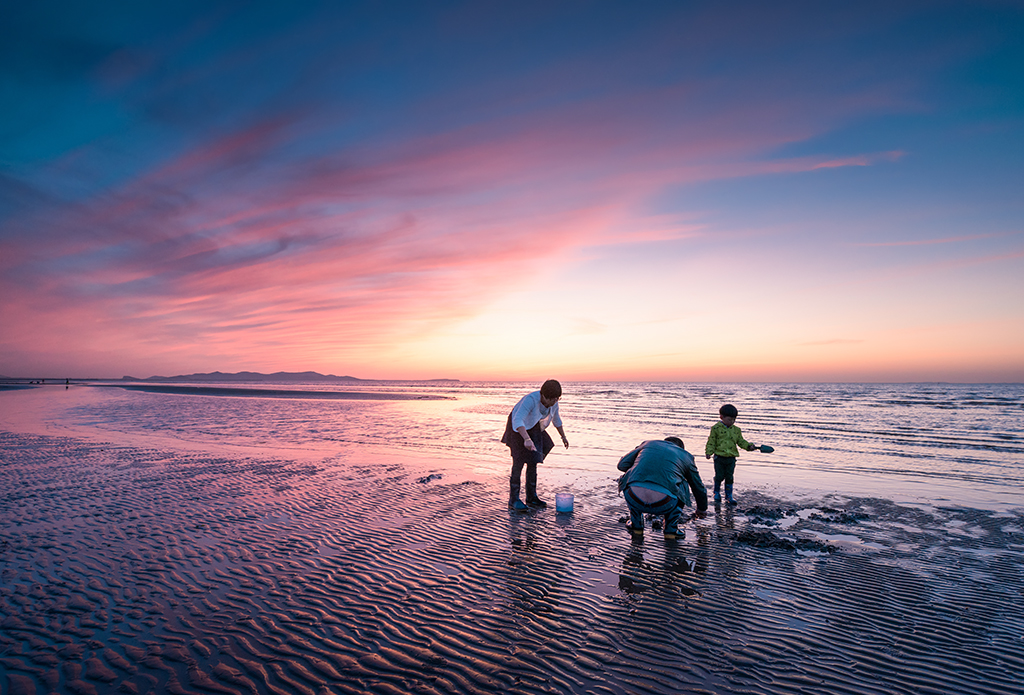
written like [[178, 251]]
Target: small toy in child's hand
[[765, 449]]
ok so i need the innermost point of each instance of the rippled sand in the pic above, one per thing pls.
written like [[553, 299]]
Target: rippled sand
[[131, 570]]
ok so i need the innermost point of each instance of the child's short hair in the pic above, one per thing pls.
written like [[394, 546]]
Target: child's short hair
[[551, 389], [677, 441], [728, 410]]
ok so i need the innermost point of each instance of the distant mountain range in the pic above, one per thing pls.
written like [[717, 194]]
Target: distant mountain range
[[248, 377], [305, 377]]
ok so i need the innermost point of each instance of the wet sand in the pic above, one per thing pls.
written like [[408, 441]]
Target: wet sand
[[134, 570]]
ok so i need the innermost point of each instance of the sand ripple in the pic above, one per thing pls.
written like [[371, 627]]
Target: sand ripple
[[135, 571]]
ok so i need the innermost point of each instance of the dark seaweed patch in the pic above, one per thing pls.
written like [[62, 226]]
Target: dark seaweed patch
[[767, 539], [762, 512], [838, 516]]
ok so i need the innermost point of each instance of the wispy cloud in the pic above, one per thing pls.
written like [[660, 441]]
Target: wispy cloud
[[945, 240], [860, 160], [833, 341], [303, 186]]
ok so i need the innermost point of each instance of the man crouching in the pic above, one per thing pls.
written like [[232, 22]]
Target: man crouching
[[658, 478]]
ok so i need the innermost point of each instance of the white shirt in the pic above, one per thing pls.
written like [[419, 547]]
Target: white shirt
[[529, 411]]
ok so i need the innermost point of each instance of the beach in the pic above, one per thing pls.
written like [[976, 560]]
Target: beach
[[305, 557]]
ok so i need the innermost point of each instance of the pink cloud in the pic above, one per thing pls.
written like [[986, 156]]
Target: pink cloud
[[860, 160], [228, 249]]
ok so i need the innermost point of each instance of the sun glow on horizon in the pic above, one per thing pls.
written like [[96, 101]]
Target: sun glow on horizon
[[676, 193]]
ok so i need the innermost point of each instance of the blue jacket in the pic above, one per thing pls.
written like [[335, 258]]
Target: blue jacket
[[666, 465]]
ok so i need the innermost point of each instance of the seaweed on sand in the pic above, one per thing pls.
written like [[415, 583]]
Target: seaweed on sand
[[767, 539]]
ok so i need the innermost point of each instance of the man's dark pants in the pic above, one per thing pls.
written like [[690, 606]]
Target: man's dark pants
[[668, 506]]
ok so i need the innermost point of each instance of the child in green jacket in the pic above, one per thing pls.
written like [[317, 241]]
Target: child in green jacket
[[723, 443]]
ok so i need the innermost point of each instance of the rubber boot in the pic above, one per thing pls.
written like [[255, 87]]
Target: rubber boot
[[728, 495], [514, 503], [635, 525], [718, 492], [531, 488]]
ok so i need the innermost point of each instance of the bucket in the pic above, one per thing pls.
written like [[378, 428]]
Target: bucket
[[563, 502]]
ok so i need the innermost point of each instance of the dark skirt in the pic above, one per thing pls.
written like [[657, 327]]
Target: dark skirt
[[520, 454]]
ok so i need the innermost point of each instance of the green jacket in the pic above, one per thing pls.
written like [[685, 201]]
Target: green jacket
[[723, 441]]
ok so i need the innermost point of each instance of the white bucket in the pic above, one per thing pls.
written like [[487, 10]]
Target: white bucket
[[563, 502]]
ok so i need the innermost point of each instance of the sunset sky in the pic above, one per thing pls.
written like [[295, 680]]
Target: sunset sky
[[685, 191]]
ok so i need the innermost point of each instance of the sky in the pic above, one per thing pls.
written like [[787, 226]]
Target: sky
[[662, 191]]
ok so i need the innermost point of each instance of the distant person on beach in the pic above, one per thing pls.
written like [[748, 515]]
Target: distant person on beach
[[723, 443], [525, 436], [659, 475]]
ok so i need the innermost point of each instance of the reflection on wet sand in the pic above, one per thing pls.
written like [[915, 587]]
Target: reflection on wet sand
[[140, 570]]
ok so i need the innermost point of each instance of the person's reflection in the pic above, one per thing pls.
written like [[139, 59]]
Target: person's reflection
[[679, 562], [536, 582], [634, 569], [638, 576], [522, 533], [725, 520], [702, 556]]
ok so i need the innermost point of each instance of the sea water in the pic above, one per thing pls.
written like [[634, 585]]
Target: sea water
[[960, 444], [283, 542]]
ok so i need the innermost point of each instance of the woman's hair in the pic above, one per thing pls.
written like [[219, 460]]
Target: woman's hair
[[551, 389]]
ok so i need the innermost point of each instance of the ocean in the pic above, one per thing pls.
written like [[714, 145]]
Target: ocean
[[944, 443], [297, 540]]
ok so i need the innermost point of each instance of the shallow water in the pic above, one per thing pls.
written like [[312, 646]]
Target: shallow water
[[166, 543], [946, 443]]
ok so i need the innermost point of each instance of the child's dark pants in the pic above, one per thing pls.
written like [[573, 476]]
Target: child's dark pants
[[725, 466]]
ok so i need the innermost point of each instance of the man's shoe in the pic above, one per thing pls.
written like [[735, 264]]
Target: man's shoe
[[672, 535], [634, 532], [517, 505], [536, 502]]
